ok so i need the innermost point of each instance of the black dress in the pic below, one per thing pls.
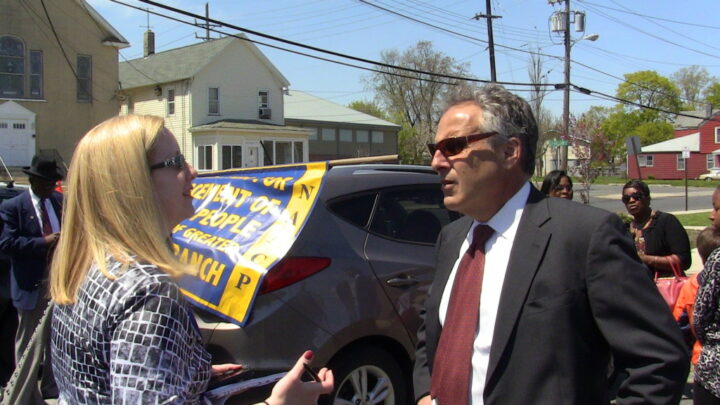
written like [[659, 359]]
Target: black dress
[[664, 236]]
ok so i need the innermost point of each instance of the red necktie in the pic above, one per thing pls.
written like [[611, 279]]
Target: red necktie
[[450, 380], [46, 227]]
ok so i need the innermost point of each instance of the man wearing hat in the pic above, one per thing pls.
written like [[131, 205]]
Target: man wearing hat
[[31, 230]]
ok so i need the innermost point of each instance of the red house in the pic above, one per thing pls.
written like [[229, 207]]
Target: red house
[[699, 135]]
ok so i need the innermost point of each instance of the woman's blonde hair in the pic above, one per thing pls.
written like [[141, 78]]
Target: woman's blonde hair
[[110, 208]]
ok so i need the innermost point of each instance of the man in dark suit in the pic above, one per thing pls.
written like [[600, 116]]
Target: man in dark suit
[[552, 290], [31, 230]]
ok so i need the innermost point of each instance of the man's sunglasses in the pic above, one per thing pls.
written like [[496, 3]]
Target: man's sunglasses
[[452, 146], [176, 162], [635, 196]]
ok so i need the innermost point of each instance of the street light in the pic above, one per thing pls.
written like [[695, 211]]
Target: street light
[[566, 99]]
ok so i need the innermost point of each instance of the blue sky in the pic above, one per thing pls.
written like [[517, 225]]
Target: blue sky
[[658, 35]]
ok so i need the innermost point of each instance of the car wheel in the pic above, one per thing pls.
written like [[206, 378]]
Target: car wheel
[[366, 376], [708, 179]]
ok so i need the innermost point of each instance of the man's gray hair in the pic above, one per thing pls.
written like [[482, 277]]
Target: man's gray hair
[[505, 113]]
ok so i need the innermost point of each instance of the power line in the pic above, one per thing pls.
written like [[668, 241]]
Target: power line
[[310, 47], [291, 50], [651, 17], [62, 49]]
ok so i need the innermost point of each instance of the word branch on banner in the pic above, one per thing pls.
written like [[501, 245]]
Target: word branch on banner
[[245, 221]]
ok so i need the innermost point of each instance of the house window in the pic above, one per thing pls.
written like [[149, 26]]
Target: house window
[[171, 102], [327, 134], [84, 78], [214, 101], [314, 134], [130, 105], [231, 157], [345, 135], [12, 67], [264, 99], [717, 134], [645, 160], [284, 152], [204, 157], [18, 125], [3, 125], [710, 161], [378, 137], [361, 136], [680, 162], [36, 74]]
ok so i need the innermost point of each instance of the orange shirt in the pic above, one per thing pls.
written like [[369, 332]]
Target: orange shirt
[[686, 302]]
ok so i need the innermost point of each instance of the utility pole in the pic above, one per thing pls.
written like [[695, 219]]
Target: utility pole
[[566, 81], [561, 23], [491, 41]]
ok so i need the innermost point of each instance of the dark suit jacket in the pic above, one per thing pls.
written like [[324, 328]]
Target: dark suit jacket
[[574, 294], [22, 240]]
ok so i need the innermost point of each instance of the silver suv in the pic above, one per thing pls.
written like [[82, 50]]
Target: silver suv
[[350, 288]]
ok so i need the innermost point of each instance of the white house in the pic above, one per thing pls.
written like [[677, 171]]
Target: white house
[[223, 100]]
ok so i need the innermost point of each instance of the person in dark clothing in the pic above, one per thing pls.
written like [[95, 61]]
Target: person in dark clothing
[[557, 184], [659, 237]]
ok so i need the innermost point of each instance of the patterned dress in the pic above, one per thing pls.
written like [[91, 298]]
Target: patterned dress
[[707, 324], [130, 341]]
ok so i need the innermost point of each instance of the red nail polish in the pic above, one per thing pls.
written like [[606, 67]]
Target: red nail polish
[[308, 355]]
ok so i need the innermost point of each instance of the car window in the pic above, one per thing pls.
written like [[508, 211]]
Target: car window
[[356, 209], [412, 214]]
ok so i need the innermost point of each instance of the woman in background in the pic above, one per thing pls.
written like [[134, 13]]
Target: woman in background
[[706, 377], [121, 331], [557, 184], [659, 237]]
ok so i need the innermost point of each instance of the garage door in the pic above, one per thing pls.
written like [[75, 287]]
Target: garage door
[[16, 142]]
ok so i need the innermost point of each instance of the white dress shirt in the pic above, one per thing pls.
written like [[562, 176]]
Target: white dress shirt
[[497, 254], [54, 221]]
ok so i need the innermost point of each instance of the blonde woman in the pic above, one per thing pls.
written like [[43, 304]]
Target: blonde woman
[[121, 331]]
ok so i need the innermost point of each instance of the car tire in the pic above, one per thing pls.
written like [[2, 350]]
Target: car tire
[[708, 179], [367, 376]]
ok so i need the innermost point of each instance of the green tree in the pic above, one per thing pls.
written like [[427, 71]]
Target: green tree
[[415, 99], [654, 132], [712, 94], [649, 89], [692, 81], [368, 107]]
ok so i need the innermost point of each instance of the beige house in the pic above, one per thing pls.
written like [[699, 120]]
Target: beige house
[[58, 76], [223, 100]]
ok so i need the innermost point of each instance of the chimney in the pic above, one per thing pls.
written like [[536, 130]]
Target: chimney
[[708, 109], [148, 43]]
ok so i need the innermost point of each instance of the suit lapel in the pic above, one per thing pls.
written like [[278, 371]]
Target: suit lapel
[[525, 258], [28, 215]]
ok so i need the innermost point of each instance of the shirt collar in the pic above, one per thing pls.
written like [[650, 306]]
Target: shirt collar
[[509, 214], [35, 198]]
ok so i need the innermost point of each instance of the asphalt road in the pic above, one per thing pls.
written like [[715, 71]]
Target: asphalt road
[[664, 198]]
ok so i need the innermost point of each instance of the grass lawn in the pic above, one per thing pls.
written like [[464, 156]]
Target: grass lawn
[[698, 219]]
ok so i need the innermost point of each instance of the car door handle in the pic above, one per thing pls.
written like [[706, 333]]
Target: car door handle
[[404, 281]]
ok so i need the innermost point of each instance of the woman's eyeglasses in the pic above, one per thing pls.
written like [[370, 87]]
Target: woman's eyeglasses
[[635, 196], [176, 162], [561, 188], [452, 146]]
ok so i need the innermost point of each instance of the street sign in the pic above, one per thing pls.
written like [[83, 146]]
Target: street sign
[[685, 152]]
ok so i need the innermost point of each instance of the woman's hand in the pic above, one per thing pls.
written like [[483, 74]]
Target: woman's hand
[[292, 390]]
